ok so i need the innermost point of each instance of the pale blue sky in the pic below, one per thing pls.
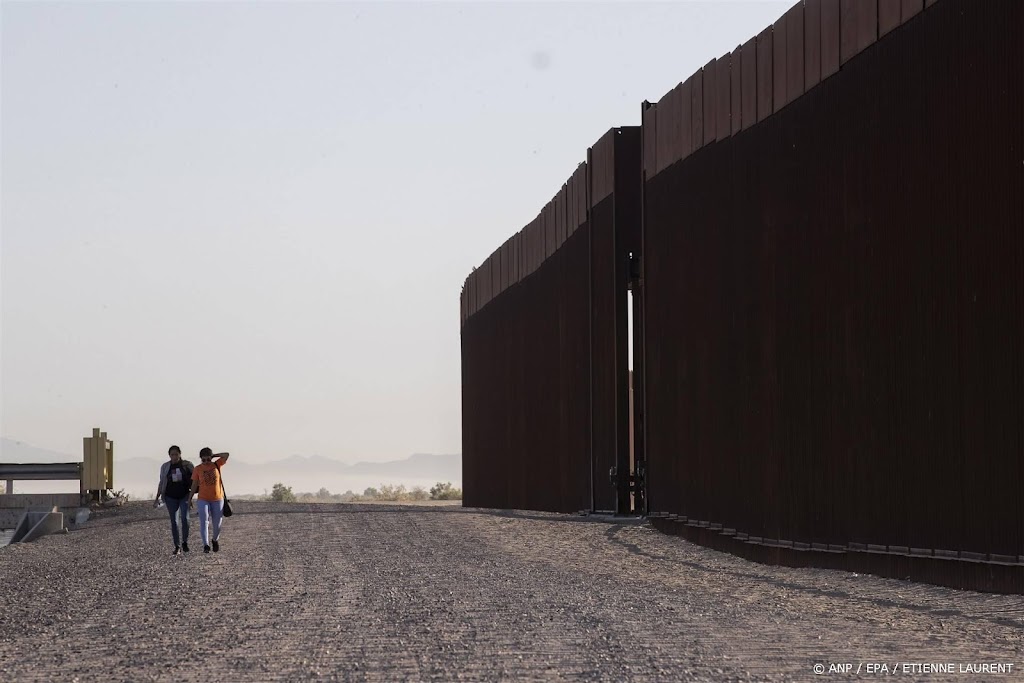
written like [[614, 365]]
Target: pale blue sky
[[247, 224]]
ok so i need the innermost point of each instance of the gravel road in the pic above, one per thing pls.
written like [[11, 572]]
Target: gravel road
[[389, 592]]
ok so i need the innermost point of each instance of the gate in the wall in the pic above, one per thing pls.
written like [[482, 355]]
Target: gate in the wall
[[615, 235]]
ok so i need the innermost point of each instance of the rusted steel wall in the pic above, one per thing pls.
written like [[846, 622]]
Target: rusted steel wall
[[834, 293], [543, 346], [526, 428]]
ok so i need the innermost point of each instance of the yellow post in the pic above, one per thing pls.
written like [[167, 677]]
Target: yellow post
[[87, 463], [110, 465], [96, 476], [102, 469]]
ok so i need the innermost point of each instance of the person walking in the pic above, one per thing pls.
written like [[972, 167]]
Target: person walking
[[175, 480], [206, 482]]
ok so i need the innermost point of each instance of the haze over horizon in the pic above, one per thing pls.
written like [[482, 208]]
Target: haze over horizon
[[137, 476], [247, 225]]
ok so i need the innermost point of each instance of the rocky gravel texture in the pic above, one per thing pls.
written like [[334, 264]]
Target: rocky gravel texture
[[389, 592]]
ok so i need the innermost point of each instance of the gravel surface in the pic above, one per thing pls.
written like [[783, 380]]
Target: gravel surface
[[389, 592]]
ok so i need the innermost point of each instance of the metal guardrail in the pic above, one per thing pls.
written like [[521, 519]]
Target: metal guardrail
[[20, 471], [49, 470]]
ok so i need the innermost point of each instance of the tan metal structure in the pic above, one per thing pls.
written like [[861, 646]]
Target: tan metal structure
[[98, 463]]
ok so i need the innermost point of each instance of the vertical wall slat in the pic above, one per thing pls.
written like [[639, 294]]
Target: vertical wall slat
[[563, 211], [697, 110], [909, 8], [601, 177], [570, 206], [517, 240], [662, 135], [829, 38], [888, 16], [674, 125], [710, 101], [495, 261], [650, 140], [531, 250], [748, 83], [542, 237], [764, 75], [484, 284], [685, 118], [795, 52], [780, 65], [502, 254], [581, 193], [848, 20], [581, 198], [858, 27], [549, 232], [553, 208], [581, 189], [736, 90], [812, 43], [723, 103], [566, 228]]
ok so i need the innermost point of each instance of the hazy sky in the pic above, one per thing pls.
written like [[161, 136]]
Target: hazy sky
[[246, 225]]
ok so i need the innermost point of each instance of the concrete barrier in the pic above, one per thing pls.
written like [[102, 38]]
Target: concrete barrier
[[10, 518], [14, 506], [35, 524], [20, 501]]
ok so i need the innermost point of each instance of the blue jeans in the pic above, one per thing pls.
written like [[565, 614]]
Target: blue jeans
[[174, 505], [210, 510]]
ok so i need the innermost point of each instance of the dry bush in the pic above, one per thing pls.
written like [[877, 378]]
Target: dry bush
[[445, 491]]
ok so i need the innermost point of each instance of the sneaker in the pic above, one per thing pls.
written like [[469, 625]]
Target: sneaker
[[216, 547], [206, 548], [184, 547], [176, 550]]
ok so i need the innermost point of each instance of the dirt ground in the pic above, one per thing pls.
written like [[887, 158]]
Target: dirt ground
[[390, 592]]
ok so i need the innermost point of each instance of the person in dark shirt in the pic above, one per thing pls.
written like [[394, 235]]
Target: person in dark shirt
[[175, 482]]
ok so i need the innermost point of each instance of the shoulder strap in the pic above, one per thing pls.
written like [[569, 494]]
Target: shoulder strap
[[223, 490]]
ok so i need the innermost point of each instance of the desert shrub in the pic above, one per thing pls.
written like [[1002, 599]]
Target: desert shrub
[[391, 492], [282, 494], [445, 491], [384, 493]]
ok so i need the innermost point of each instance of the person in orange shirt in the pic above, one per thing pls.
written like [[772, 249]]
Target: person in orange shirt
[[206, 481]]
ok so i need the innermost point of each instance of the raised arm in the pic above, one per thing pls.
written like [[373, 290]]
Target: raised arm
[[221, 458]]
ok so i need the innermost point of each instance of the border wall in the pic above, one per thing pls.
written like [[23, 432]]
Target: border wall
[[829, 306]]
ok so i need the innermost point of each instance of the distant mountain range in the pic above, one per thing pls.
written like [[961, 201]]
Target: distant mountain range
[[139, 476], [16, 451]]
